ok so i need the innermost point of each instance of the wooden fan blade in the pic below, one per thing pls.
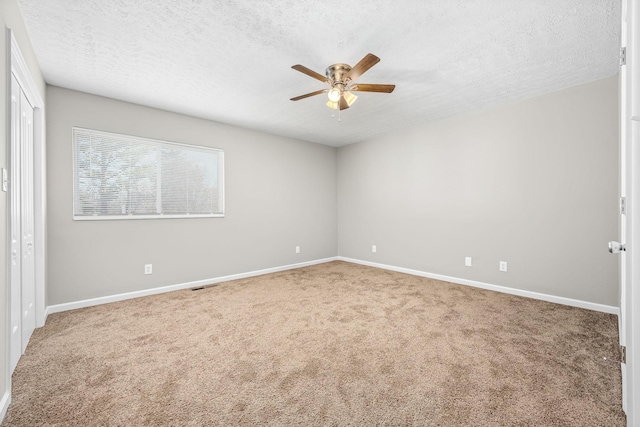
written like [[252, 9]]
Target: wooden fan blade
[[343, 103], [306, 95], [310, 73], [362, 87], [361, 67]]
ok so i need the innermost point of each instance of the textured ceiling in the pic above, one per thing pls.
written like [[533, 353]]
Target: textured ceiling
[[230, 60]]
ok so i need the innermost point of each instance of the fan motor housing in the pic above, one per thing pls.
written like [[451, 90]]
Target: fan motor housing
[[336, 72]]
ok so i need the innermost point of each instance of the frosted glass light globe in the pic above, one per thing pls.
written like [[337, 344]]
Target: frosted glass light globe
[[334, 95]]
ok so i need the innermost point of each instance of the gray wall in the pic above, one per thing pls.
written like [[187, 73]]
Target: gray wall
[[533, 184], [280, 193], [11, 18]]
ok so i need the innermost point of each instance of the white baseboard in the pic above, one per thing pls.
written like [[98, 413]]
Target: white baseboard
[[4, 404], [529, 294], [153, 291]]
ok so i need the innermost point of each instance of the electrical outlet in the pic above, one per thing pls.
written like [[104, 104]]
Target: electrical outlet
[[148, 268], [468, 261], [297, 249], [503, 265], [373, 248]]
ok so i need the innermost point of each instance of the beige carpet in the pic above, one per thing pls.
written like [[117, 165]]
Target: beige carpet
[[335, 344]]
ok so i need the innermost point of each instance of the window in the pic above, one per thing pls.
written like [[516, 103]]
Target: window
[[124, 177]]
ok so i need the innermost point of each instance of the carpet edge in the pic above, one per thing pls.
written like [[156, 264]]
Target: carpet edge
[[503, 289], [56, 308]]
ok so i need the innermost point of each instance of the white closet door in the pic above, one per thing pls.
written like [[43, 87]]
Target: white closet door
[[16, 238], [27, 222], [23, 290]]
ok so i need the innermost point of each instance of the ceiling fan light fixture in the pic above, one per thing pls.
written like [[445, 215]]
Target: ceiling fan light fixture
[[334, 94], [340, 78], [349, 97]]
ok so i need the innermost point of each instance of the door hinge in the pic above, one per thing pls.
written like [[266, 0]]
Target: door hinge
[[622, 356], [623, 205], [623, 56]]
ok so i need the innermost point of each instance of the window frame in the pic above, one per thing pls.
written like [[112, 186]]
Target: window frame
[[97, 217]]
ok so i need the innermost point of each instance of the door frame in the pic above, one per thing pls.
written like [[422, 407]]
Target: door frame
[[630, 188], [20, 70], [17, 67]]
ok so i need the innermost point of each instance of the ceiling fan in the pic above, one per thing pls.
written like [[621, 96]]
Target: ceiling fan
[[341, 77]]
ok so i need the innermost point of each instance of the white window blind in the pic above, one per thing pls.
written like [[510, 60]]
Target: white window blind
[[123, 177]]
